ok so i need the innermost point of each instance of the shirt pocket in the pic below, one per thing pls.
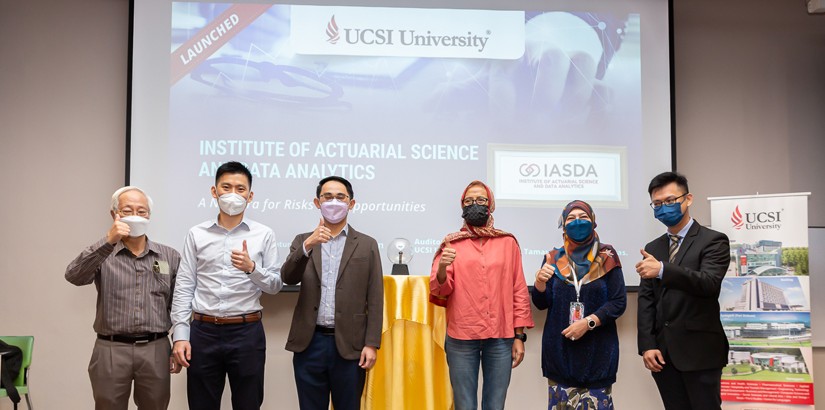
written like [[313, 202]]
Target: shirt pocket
[[160, 285]]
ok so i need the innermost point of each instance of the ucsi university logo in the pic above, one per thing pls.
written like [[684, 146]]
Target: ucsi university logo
[[372, 36], [756, 220], [736, 218], [332, 31]]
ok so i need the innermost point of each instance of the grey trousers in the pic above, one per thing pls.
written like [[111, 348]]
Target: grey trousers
[[114, 366]]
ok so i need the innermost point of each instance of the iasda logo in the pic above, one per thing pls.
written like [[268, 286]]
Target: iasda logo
[[558, 170], [529, 170]]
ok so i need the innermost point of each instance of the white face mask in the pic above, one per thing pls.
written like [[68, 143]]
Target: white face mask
[[138, 225], [232, 204]]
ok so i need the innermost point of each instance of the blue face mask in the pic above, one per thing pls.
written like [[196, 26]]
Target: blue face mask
[[579, 229], [670, 215]]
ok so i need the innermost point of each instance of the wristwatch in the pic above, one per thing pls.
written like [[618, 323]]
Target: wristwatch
[[591, 323], [522, 337], [253, 268]]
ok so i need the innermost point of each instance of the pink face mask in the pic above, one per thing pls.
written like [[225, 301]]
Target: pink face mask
[[334, 211]]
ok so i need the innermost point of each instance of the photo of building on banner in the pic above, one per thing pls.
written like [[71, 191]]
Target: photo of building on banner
[[766, 302]]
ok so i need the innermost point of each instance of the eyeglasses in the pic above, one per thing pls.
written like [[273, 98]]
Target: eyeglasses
[[479, 201], [143, 213], [670, 201], [330, 197]]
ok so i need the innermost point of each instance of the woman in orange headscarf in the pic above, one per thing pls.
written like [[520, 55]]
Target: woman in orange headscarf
[[477, 275]]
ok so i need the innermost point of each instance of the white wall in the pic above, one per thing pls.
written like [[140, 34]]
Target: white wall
[[750, 93]]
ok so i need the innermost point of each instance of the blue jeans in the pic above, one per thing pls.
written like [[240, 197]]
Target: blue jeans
[[496, 359]]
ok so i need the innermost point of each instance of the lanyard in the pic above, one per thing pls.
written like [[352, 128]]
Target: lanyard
[[576, 283]]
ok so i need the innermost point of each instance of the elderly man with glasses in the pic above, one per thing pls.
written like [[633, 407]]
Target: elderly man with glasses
[[134, 278]]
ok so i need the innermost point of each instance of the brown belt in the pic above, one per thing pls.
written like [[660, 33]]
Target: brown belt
[[228, 320]]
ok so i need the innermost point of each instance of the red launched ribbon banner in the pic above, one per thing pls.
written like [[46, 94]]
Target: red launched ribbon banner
[[212, 37]]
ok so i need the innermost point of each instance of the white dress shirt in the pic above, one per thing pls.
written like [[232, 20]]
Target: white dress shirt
[[207, 283]]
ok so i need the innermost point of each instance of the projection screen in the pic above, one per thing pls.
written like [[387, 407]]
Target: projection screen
[[545, 101]]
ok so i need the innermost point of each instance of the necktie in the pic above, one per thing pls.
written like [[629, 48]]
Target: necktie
[[674, 247]]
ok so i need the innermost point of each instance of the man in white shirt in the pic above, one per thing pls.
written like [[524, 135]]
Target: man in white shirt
[[226, 265]]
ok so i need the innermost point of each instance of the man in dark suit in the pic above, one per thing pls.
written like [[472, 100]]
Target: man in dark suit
[[680, 334], [336, 327]]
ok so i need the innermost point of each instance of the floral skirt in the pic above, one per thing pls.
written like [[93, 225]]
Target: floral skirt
[[562, 397]]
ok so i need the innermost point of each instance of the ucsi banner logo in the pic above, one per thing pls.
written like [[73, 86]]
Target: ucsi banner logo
[[736, 218], [756, 220], [406, 32]]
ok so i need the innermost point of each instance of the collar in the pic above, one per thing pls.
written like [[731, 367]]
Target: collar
[[241, 226], [150, 247], [343, 234], [683, 232]]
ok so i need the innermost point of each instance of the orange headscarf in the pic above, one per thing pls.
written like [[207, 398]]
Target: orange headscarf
[[467, 231]]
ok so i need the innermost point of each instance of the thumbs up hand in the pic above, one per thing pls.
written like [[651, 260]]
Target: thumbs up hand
[[648, 267], [321, 234], [241, 259], [117, 231], [447, 255], [543, 276], [545, 273]]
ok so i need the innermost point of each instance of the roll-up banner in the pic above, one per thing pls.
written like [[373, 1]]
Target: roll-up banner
[[766, 302]]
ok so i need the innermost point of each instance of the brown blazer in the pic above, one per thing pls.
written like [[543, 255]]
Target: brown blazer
[[359, 294]]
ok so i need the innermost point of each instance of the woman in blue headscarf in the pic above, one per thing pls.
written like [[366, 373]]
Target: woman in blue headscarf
[[582, 286]]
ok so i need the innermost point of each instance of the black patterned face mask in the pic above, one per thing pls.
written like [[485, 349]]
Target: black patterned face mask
[[476, 215]]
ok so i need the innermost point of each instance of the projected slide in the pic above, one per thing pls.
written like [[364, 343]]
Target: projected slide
[[410, 105]]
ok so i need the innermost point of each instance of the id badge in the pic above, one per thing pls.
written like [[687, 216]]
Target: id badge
[[576, 311]]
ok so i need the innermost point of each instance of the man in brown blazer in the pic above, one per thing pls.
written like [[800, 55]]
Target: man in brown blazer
[[336, 327]]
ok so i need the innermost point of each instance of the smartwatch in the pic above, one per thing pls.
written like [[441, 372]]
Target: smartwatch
[[591, 323], [522, 337]]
